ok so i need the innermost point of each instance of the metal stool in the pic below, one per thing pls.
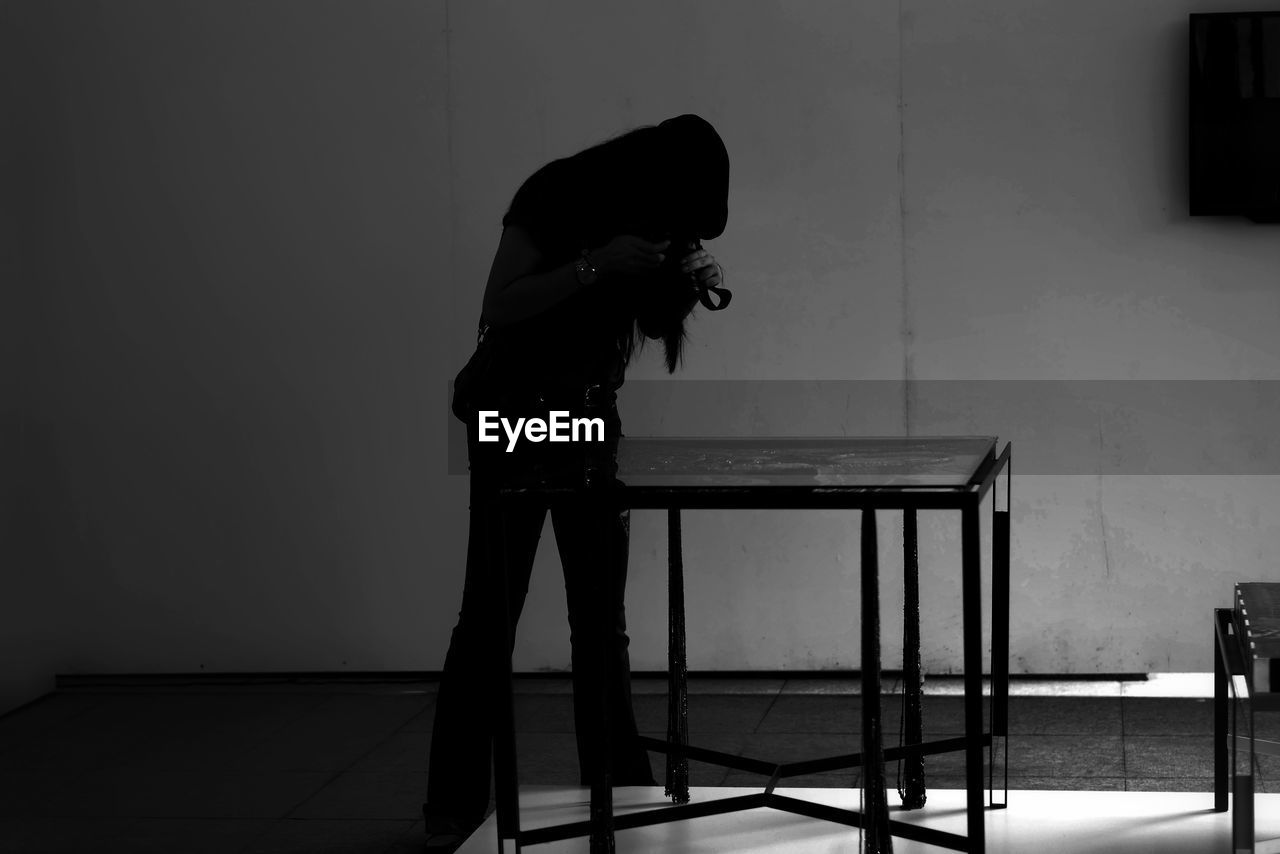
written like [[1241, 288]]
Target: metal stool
[[1246, 681]]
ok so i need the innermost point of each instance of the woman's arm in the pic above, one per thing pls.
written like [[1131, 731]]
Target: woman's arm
[[514, 291]]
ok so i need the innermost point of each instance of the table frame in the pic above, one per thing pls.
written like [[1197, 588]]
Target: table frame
[[966, 498]]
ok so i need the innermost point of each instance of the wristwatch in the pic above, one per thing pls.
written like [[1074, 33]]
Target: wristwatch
[[587, 273]]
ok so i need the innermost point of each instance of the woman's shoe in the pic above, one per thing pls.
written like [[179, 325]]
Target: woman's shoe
[[444, 835], [444, 843]]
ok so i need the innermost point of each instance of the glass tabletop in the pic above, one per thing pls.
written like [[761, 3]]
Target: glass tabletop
[[943, 462]]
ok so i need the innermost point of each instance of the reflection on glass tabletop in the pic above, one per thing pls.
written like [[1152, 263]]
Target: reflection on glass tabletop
[[928, 461]]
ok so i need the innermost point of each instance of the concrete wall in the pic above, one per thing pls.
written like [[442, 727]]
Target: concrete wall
[[28, 622], [255, 238], [238, 244]]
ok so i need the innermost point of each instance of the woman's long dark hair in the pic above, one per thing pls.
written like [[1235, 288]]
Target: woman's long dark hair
[[655, 181]]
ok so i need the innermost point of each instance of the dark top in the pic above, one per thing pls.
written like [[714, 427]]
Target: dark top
[[576, 341], [665, 181]]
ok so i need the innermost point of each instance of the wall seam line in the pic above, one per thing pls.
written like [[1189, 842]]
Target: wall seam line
[[907, 333], [452, 168]]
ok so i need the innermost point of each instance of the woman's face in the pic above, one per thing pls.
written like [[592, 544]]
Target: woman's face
[[684, 178], [668, 190], [667, 208]]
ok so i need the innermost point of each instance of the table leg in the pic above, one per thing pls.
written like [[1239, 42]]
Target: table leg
[[1242, 828], [504, 748], [1242, 815], [912, 785], [1000, 537], [875, 816], [971, 596], [1221, 686], [677, 777]]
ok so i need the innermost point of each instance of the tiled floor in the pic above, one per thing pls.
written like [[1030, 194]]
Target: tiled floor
[[343, 767]]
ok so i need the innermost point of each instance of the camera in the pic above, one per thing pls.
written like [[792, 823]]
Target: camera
[[679, 248]]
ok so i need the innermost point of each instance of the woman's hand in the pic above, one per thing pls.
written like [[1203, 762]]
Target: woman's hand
[[701, 267], [627, 254]]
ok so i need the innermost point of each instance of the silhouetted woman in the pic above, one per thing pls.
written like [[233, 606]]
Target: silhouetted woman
[[599, 251]]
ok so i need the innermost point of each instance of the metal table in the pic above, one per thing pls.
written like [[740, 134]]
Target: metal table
[[866, 474]]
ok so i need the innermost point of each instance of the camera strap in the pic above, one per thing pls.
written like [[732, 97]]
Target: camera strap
[[704, 297]]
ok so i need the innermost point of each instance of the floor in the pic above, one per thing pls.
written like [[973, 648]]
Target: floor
[[1046, 822], [313, 767]]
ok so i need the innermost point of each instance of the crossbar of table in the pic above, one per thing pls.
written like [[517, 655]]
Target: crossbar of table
[[806, 766]]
